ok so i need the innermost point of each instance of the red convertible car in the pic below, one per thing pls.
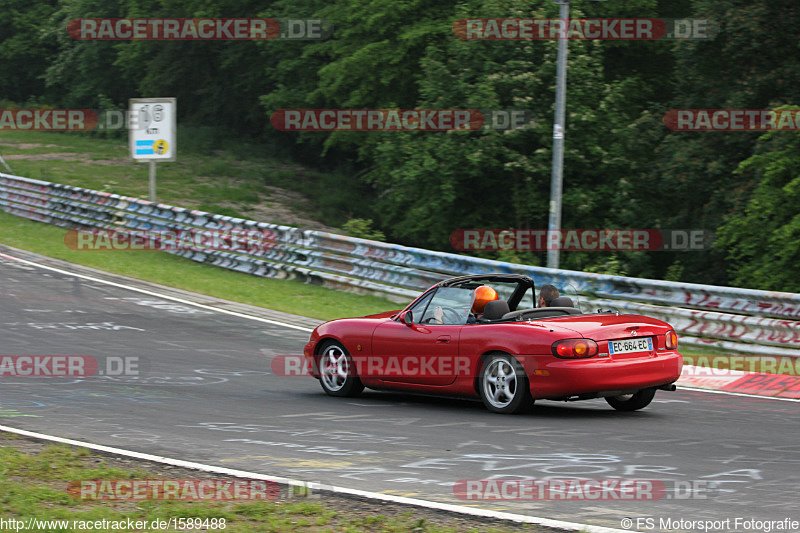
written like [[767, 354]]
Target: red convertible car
[[484, 336]]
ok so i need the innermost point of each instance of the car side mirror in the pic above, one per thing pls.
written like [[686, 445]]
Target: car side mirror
[[408, 318]]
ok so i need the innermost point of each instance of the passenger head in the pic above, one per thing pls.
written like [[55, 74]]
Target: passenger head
[[547, 294]]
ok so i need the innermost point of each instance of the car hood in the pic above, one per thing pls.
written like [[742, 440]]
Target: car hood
[[602, 327]]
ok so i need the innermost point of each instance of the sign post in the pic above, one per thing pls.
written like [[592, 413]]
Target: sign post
[[151, 133], [559, 126]]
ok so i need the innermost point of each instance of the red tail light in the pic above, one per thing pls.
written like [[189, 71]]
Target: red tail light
[[671, 340], [574, 348]]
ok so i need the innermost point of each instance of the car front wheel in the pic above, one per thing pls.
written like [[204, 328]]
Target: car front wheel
[[337, 373], [632, 402], [503, 386]]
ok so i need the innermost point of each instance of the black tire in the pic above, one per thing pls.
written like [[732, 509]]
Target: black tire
[[344, 380], [503, 385], [632, 402]]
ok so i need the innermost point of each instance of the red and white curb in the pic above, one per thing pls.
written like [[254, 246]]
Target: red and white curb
[[740, 382]]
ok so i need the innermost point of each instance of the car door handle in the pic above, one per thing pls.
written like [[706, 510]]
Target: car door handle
[[443, 339]]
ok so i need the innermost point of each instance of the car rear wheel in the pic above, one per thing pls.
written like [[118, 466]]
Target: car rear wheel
[[503, 386], [337, 373], [632, 402]]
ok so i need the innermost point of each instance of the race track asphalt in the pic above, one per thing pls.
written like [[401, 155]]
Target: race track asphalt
[[206, 393]]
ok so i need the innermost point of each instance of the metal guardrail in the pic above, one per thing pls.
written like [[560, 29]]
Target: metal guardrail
[[731, 318]]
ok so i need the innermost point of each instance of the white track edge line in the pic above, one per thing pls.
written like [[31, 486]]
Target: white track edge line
[[743, 394], [484, 513], [153, 293]]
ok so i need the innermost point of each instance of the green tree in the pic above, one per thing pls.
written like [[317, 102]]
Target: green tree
[[431, 184], [762, 239], [688, 180], [83, 73], [372, 61], [24, 53]]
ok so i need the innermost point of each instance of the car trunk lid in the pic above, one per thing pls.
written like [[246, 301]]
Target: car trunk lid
[[602, 327], [632, 330]]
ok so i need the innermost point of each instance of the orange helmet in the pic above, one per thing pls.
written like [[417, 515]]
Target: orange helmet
[[483, 295]]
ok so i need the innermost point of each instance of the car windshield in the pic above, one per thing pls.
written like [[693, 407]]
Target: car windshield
[[455, 304], [566, 293], [569, 290]]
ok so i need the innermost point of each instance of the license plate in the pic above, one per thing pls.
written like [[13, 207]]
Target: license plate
[[630, 346]]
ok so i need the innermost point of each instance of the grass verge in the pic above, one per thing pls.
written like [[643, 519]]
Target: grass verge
[[34, 477], [212, 173]]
